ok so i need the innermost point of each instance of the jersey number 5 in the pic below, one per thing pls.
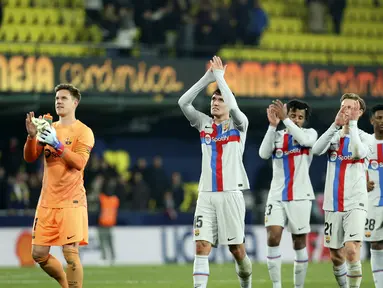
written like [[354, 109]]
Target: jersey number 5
[[198, 221]]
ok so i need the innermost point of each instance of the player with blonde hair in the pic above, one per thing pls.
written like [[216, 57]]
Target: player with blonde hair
[[345, 202]]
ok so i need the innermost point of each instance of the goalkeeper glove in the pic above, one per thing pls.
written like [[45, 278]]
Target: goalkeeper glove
[[48, 136]]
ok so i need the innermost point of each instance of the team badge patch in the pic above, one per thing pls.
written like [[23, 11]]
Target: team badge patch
[[225, 127], [196, 232], [68, 141]]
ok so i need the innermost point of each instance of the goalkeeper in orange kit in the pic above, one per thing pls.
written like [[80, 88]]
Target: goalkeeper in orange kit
[[61, 216]]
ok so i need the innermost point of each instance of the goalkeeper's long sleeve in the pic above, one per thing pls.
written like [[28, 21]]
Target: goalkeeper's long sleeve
[[77, 158], [32, 149]]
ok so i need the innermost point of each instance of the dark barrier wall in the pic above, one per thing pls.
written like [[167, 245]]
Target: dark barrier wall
[[155, 77]]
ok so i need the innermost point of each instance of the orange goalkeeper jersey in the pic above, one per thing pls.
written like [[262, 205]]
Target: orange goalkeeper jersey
[[63, 184]]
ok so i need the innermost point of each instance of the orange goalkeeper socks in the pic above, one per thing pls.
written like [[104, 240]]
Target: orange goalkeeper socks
[[53, 268], [74, 269]]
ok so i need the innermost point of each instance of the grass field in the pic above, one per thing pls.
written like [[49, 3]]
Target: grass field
[[180, 276]]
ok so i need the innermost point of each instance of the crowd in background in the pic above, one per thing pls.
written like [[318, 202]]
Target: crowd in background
[[146, 186], [196, 27]]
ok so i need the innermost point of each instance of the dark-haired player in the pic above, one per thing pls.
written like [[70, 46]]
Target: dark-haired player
[[374, 222], [220, 212], [61, 215], [291, 192]]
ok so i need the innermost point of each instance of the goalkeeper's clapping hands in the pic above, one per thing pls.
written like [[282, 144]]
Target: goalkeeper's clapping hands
[[48, 136]]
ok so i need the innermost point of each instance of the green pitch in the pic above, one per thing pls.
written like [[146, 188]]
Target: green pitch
[[223, 276]]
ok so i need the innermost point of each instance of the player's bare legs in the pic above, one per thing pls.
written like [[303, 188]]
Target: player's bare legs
[[201, 264], [301, 259], [339, 266], [74, 270], [274, 261], [243, 265], [49, 264], [377, 262], [354, 267]]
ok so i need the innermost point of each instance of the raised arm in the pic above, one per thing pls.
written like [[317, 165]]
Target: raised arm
[[239, 118], [323, 143], [77, 158], [358, 149], [268, 143], [305, 138], [32, 149], [185, 102]]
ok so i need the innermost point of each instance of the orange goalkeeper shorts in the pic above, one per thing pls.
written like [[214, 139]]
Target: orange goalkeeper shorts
[[60, 226]]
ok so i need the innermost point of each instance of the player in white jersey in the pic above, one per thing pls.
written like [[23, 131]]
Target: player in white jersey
[[374, 223], [291, 192], [220, 212], [345, 195]]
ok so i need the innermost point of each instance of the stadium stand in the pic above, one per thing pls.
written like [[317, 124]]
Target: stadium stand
[[287, 38], [25, 24]]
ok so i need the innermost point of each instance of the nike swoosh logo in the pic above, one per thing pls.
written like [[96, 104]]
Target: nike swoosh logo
[[301, 228], [352, 235], [70, 237], [230, 239]]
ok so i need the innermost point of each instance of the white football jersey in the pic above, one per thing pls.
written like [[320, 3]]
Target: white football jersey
[[222, 152], [222, 145], [375, 173], [346, 186], [291, 163]]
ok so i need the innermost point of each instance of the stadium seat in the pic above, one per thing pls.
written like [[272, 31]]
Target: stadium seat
[[362, 3], [352, 59], [306, 57], [286, 25], [50, 49], [363, 14]]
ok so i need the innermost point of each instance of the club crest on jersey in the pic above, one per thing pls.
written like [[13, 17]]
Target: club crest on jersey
[[367, 234], [196, 232], [278, 153], [333, 156], [68, 141], [207, 139], [374, 164], [225, 127], [327, 239]]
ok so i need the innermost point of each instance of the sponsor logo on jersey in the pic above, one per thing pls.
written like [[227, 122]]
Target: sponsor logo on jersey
[[375, 164], [48, 153], [279, 152], [334, 156], [209, 139]]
